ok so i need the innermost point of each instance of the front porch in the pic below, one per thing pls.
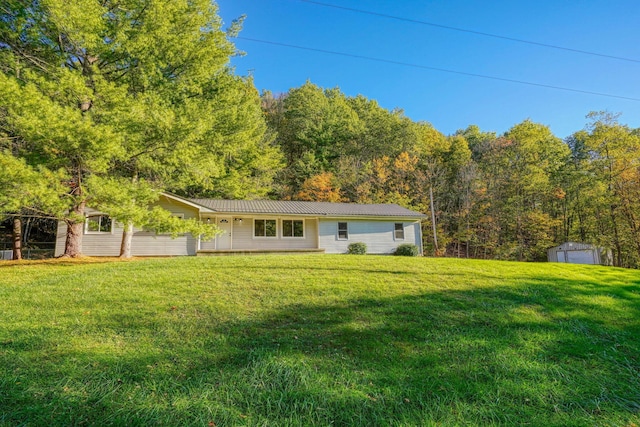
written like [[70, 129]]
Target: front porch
[[231, 252], [260, 234]]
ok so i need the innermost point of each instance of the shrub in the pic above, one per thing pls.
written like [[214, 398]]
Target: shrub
[[407, 249], [357, 248]]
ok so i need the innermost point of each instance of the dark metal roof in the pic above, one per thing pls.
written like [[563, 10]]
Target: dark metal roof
[[306, 208]]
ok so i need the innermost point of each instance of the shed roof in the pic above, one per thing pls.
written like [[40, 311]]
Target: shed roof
[[574, 246], [306, 208]]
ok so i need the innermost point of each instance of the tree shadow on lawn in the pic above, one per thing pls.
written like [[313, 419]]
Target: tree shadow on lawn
[[65, 261], [540, 352]]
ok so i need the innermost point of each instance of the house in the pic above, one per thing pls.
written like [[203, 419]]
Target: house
[[259, 226], [580, 253]]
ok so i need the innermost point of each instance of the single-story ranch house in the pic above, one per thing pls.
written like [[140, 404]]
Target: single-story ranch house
[[259, 226]]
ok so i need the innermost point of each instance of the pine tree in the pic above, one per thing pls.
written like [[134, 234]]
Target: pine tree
[[131, 90]]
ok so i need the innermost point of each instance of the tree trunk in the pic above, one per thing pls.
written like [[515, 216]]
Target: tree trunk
[[127, 236], [433, 223], [17, 238], [633, 223], [75, 228], [468, 238], [616, 238]]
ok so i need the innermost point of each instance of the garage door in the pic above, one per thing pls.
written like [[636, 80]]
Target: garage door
[[580, 257]]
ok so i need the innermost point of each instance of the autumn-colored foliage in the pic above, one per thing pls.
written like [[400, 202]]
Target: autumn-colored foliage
[[320, 188]]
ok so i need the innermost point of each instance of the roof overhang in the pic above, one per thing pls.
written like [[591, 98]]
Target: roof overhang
[[202, 209], [320, 216], [265, 211]]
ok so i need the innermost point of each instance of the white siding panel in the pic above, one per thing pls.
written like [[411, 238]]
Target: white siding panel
[[178, 208], [150, 244], [378, 235], [243, 237], [102, 244], [143, 243], [61, 237], [208, 245]]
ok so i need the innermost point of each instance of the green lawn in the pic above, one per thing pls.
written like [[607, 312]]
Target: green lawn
[[318, 340]]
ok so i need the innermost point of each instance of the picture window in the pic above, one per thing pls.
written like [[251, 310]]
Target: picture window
[[264, 228], [292, 228]]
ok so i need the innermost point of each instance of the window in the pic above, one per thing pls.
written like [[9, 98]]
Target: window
[[98, 224], [264, 228], [292, 228], [343, 231], [398, 232]]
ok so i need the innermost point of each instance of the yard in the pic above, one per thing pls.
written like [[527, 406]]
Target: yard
[[318, 340]]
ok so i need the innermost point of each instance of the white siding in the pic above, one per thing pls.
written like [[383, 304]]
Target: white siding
[[61, 236], [149, 244], [144, 243], [378, 235], [322, 233], [242, 236]]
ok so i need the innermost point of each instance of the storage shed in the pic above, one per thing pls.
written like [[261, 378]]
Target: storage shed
[[579, 253]]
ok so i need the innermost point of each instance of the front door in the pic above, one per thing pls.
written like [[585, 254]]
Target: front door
[[224, 239]]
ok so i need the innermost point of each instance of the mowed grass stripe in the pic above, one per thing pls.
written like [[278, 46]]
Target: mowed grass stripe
[[318, 340]]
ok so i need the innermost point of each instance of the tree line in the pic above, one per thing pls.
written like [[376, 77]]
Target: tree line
[[508, 196], [106, 104]]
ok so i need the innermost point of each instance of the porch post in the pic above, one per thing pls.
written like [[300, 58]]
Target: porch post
[[198, 247]]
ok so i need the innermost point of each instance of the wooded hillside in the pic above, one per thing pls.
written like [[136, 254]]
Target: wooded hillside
[[107, 104], [505, 196]]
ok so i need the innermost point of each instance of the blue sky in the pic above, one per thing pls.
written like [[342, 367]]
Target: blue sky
[[451, 101]]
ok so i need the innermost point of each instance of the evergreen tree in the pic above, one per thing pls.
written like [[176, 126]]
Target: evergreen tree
[[132, 89]]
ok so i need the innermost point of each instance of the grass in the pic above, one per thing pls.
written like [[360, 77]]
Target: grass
[[318, 340]]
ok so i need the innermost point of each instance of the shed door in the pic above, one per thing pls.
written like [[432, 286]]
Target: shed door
[[561, 257], [580, 257], [224, 239]]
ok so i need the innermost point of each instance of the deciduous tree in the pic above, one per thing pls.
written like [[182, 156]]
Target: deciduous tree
[[135, 89]]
